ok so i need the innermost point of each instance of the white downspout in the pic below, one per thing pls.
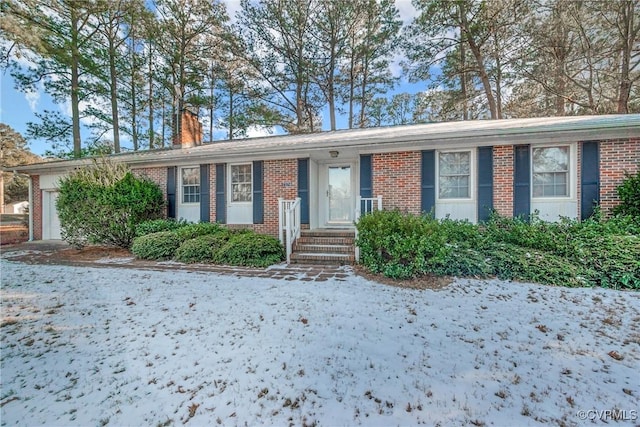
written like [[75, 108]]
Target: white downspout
[[30, 209]]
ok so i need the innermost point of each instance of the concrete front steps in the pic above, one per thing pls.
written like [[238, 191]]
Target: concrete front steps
[[325, 247]]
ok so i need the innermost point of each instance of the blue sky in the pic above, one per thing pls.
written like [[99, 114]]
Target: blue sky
[[17, 109]]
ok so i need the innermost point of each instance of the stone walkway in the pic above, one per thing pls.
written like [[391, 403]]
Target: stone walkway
[[59, 253]]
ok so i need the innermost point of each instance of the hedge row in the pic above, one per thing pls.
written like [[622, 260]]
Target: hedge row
[[567, 253], [205, 243]]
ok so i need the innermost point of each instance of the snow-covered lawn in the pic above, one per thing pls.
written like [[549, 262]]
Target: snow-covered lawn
[[117, 346]]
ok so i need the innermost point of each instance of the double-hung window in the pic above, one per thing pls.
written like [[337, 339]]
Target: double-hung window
[[190, 185], [241, 183], [550, 171], [454, 175]]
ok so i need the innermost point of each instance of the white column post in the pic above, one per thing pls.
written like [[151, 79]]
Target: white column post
[[280, 214]]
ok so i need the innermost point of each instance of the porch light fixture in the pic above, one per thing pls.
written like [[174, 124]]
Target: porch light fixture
[[333, 153]]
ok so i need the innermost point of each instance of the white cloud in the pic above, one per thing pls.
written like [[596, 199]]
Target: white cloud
[[233, 7], [406, 9], [33, 97]]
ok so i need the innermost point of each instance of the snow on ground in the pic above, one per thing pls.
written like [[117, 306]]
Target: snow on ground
[[116, 346]]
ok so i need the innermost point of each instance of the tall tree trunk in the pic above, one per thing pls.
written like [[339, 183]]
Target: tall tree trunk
[[113, 89], [164, 124], [331, 88], [363, 90], [560, 87], [132, 93], [134, 110], [352, 85], [75, 82], [629, 35], [211, 104], [151, 130], [231, 113], [477, 54], [463, 81], [498, 78]]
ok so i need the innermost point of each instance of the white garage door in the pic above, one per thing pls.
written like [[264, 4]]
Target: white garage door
[[50, 220]]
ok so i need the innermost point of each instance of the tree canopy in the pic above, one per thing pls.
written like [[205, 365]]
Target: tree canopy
[[126, 68], [13, 152]]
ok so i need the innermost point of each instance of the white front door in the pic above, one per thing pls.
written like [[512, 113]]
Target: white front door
[[339, 201], [189, 194], [240, 191]]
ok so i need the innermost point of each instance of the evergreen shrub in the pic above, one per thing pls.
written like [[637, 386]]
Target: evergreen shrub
[[156, 246], [250, 249], [103, 203]]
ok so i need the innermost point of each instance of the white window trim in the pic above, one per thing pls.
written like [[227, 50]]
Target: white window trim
[[472, 175], [181, 186], [230, 184], [572, 173]]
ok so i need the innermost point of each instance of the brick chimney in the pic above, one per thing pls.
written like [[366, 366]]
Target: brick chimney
[[190, 129]]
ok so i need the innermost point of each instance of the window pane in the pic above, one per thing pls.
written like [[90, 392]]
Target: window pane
[[241, 183], [454, 175], [190, 185], [551, 159], [191, 176], [550, 172]]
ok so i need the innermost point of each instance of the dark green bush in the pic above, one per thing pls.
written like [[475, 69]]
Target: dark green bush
[[250, 249], [511, 262], [157, 225], [462, 261], [191, 231], [156, 246], [396, 244], [104, 203], [201, 248], [629, 193], [534, 234], [568, 253], [402, 245], [610, 260]]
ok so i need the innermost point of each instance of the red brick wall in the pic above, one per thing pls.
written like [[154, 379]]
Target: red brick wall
[[616, 157], [396, 177], [191, 130], [503, 179], [157, 175], [578, 180], [280, 179], [36, 209]]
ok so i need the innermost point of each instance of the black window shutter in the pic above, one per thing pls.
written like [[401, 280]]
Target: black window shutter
[[171, 191], [205, 193], [258, 195], [221, 203], [522, 182], [485, 182], [366, 178], [590, 178], [303, 189], [428, 181]]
